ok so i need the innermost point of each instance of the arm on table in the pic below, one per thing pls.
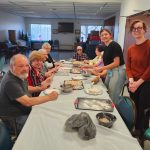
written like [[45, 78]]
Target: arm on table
[[31, 101]]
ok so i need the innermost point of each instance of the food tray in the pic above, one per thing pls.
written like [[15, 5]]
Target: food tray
[[75, 71], [94, 104], [77, 84]]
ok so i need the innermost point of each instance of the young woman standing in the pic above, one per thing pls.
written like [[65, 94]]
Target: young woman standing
[[114, 64], [138, 73]]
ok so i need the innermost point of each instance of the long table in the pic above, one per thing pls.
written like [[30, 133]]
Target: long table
[[44, 128]]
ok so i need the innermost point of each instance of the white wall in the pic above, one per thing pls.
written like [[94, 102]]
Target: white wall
[[128, 8], [64, 38], [116, 29], [10, 22]]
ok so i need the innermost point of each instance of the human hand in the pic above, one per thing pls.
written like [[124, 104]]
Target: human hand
[[57, 64], [131, 80], [44, 86], [133, 86], [103, 74], [53, 95], [94, 72], [50, 78], [95, 80], [57, 68], [83, 68], [101, 69], [86, 61], [96, 68]]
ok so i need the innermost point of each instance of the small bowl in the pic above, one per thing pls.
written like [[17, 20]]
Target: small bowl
[[106, 119], [66, 88], [76, 65], [86, 73]]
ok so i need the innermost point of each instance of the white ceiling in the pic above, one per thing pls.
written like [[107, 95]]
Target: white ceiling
[[77, 9]]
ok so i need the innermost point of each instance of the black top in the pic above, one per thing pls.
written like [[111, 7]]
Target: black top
[[12, 88], [111, 51], [50, 60]]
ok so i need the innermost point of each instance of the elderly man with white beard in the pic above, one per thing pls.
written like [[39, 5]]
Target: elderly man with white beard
[[15, 94]]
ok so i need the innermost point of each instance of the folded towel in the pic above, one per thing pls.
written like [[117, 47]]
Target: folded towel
[[83, 124]]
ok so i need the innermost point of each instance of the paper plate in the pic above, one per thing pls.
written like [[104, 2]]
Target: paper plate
[[48, 91], [94, 91], [62, 60], [67, 62], [78, 77], [66, 68]]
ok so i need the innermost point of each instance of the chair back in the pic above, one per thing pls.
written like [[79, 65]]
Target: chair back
[[126, 108], [147, 134], [5, 139], [2, 62], [56, 42]]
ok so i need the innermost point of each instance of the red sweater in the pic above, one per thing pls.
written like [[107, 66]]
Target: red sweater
[[138, 61]]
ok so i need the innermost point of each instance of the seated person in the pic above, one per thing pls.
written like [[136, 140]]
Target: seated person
[[98, 60], [15, 95], [45, 69], [47, 47], [79, 55], [35, 77]]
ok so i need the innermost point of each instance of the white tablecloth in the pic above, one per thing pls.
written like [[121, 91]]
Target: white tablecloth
[[44, 129]]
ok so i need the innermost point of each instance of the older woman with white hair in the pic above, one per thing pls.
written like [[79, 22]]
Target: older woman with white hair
[[79, 55], [45, 67], [47, 47]]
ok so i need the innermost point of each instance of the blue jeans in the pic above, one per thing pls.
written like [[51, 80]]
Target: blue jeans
[[114, 82], [20, 121]]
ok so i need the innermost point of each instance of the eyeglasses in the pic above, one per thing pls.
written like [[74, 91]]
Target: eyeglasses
[[137, 29], [79, 49], [21, 66]]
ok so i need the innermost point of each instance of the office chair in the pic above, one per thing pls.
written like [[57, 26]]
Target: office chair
[[56, 45], [147, 132], [127, 109], [2, 62]]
